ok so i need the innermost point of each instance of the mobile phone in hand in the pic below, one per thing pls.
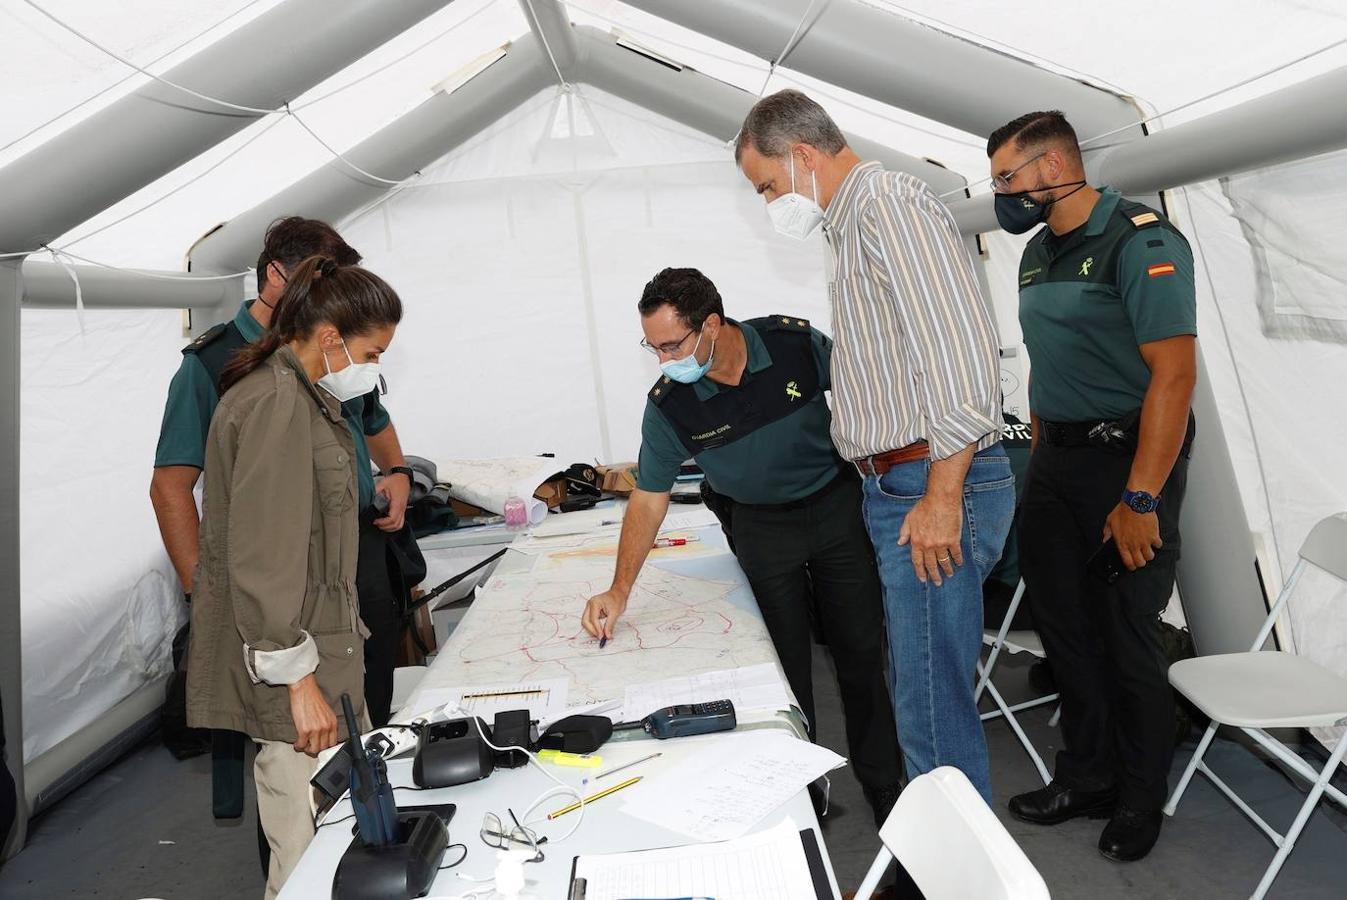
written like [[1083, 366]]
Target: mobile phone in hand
[[1106, 563]]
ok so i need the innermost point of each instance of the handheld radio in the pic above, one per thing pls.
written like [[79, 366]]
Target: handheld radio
[[376, 815]]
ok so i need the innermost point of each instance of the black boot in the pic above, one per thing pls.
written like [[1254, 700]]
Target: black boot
[[1130, 834]]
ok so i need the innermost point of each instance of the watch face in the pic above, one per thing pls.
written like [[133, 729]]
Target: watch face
[[1142, 502]]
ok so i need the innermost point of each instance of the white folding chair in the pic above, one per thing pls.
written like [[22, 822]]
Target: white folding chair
[[1265, 689], [952, 844], [1022, 641]]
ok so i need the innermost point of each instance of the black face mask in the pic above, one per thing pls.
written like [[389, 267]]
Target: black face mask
[[1019, 212]]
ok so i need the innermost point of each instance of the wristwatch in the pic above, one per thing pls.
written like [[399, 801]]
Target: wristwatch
[[404, 470], [1140, 501]]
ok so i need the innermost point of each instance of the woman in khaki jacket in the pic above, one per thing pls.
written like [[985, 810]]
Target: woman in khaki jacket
[[276, 634]]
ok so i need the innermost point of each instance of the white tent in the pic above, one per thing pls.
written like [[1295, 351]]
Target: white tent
[[519, 168]]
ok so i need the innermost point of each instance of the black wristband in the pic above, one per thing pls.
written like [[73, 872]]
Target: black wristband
[[404, 470]]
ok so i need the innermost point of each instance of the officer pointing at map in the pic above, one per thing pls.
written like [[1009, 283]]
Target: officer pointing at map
[[746, 401]]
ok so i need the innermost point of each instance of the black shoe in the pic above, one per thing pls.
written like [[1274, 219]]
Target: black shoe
[[881, 800], [1130, 834], [1055, 804], [1041, 678]]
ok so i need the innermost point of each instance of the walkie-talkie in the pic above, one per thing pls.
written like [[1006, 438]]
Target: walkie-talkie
[[686, 719], [376, 815]]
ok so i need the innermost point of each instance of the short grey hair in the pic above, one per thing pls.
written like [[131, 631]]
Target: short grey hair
[[785, 118]]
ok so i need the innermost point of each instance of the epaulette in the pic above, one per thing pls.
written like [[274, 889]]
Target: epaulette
[[662, 389], [782, 323], [206, 338], [1144, 219]]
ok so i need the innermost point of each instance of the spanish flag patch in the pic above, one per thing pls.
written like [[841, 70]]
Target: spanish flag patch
[[1160, 269]]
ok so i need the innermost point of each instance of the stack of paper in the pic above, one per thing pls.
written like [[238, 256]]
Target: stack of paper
[[757, 688], [770, 865], [726, 788]]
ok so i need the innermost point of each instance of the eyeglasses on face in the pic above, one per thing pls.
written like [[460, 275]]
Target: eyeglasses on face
[[668, 349], [1001, 183]]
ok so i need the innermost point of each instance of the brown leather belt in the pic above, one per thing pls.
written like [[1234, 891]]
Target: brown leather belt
[[882, 462]]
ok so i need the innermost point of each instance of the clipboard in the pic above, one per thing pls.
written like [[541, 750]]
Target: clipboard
[[813, 855]]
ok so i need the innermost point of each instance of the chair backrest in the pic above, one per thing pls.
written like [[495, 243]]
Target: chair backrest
[[1326, 545], [952, 844], [1326, 548]]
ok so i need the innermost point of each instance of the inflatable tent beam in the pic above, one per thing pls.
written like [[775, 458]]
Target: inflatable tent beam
[[1296, 122], [900, 62], [397, 151], [118, 150], [48, 286], [443, 122], [288, 49]]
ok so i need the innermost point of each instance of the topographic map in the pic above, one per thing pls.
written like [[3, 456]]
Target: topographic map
[[691, 611]]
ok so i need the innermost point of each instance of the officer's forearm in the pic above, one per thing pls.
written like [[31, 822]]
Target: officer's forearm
[[1164, 423], [640, 527], [1164, 412], [385, 449], [175, 508]]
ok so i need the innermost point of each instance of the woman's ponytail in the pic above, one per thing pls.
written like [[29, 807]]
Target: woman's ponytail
[[318, 290]]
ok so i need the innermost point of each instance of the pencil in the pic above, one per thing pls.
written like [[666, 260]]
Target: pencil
[[592, 797]]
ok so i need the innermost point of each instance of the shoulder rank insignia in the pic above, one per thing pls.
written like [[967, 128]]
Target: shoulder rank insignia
[[1141, 220], [788, 323], [206, 337], [662, 389]]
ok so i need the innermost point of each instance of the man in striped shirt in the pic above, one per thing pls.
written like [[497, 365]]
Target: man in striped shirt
[[916, 407]]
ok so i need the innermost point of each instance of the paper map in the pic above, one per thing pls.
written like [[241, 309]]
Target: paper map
[[526, 627]]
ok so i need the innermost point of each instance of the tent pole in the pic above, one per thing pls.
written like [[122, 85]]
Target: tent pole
[[550, 24], [11, 657]]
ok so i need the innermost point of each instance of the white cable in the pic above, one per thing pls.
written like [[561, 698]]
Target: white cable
[[92, 97], [451, 709], [56, 256], [538, 29], [329, 148], [1225, 90], [410, 53], [792, 42], [188, 183], [159, 78], [162, 276]]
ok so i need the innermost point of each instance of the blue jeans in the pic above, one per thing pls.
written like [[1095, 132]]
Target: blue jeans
[[935, 633]]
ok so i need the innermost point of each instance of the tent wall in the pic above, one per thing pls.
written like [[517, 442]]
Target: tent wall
[[142, 136], [395, 152], [126, 146]]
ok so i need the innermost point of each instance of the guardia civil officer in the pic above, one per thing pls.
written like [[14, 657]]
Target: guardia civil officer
[[746, 401], [1108, 311]]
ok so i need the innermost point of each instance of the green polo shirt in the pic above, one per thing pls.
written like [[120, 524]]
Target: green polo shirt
[[192, 401], [785, 459], [1089, 298]]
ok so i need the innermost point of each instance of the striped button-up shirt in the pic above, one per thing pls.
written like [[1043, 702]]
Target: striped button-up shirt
[[915, 354]]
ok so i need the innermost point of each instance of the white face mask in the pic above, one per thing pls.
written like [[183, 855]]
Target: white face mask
[[356, 380], [796, 215]]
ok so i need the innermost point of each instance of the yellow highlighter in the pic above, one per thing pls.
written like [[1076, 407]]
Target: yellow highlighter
[[576, 760]]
